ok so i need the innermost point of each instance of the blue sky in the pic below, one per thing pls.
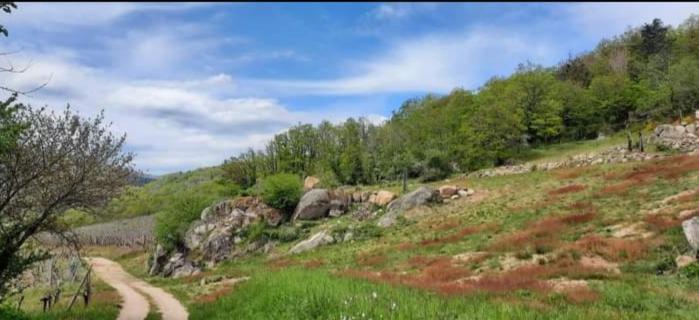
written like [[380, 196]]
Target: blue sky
[[193, 84]]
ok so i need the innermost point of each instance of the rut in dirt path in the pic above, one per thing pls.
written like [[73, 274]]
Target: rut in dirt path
[[131, 289]]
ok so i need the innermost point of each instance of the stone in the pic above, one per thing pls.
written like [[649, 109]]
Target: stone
[[691, 232], [454, 197], [318, 239], [313, 205], [684, 260], [687, 214], [348, 236], [382, 198], [448, 191], [363, 211], [159, 259], [272, 216], [422, 196], [310, 182], [463, 193]]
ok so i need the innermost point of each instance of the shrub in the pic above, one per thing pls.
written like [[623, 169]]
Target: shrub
[[7, 312], [284, 234], [172, 222], [282, 191]]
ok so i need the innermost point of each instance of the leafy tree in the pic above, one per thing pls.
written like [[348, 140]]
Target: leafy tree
[[59, 162]]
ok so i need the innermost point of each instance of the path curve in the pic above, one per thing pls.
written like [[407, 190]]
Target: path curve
[[135, 306]]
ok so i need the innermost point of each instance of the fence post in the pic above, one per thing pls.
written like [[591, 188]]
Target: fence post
[[75, 296]]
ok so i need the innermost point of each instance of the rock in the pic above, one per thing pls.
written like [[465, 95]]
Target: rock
[[357, 197], [348, 236], [684, 260], [454, 197], [217, 245], [691, 232], [687, 214], [310, 182], [159, 259], [175, 262], [318, 239], [313, 205], [272, 216], [463, 193], [448, 191], [186, 270], [337, 208], [421, 196], [382, 198]]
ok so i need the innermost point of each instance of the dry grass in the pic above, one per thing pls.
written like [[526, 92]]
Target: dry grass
[[569, 173], [542, 233], [214, 296], [456, 236]]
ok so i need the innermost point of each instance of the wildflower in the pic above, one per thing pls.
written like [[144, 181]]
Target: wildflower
[[373, 294]]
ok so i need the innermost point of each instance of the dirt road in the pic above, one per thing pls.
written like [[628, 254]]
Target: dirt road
[[131, 289]]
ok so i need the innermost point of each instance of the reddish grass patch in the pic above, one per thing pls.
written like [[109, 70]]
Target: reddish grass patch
[[447, 225], [612, 249], [406, 246], [214, 296], [370, 259], [570, 173], [661, 222], [454, 237], [668, 168], [542, 233], [581, 295], [581, 205], [315, 263], [568, 189], [281, 263]]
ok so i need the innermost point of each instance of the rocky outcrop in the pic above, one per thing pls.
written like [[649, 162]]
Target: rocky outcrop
[[682, 138], [310, 182], [421, 196], [612, 155], [447, 191], [313, 205], [179, 266], [316, 240]]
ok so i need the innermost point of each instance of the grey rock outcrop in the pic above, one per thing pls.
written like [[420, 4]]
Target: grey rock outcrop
[[316, 240], [421, 196], [691, 232], [313, 205]]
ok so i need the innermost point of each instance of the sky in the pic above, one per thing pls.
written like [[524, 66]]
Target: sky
[[192, 84]]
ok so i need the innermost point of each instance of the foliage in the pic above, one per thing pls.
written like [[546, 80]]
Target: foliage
[[60, 161], [172, 222], [282, 191]]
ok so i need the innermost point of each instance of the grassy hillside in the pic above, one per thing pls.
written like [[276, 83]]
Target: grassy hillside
[[596, 242]]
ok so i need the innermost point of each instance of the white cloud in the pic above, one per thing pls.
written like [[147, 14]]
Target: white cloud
[[609, 19], [47, 16], [388, 11], [437, 62]]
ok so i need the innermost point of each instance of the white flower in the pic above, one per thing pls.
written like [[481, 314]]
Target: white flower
[[373, 294]]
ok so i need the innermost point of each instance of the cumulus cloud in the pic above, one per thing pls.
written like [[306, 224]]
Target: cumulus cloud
[[400, 10]]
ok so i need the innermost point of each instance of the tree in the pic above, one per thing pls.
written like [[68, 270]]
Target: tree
[[59, 162], [7, 8]]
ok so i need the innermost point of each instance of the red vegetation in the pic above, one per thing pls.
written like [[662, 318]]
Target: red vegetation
[[456, 236], [211, 297], [613, 249], [441, 276], [570, 173], [542, 233], [312, 264], [406, 246], [281, 263], [668, 168], [568, 189], [370, 259]]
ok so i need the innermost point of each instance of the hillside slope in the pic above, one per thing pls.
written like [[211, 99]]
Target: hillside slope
[[601, 242]]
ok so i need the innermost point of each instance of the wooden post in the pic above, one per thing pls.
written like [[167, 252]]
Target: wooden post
[[640, 141], [56, 296], [19, 303], [405, 180], [82, 283], [629, 142]]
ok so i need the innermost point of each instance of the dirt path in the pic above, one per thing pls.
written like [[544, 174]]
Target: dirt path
[[135, 306]]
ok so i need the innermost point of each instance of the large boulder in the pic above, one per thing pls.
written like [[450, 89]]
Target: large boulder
[[313, 205], [159, 260], [310, 182], [179, 266], [382, 198], [691, 232], [421, 196], [318, 239]]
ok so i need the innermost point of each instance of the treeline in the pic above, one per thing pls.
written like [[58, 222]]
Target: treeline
[[647, 73]]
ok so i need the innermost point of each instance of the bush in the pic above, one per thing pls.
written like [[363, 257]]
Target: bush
[[8, 312], [282, 191], [172, 222]]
